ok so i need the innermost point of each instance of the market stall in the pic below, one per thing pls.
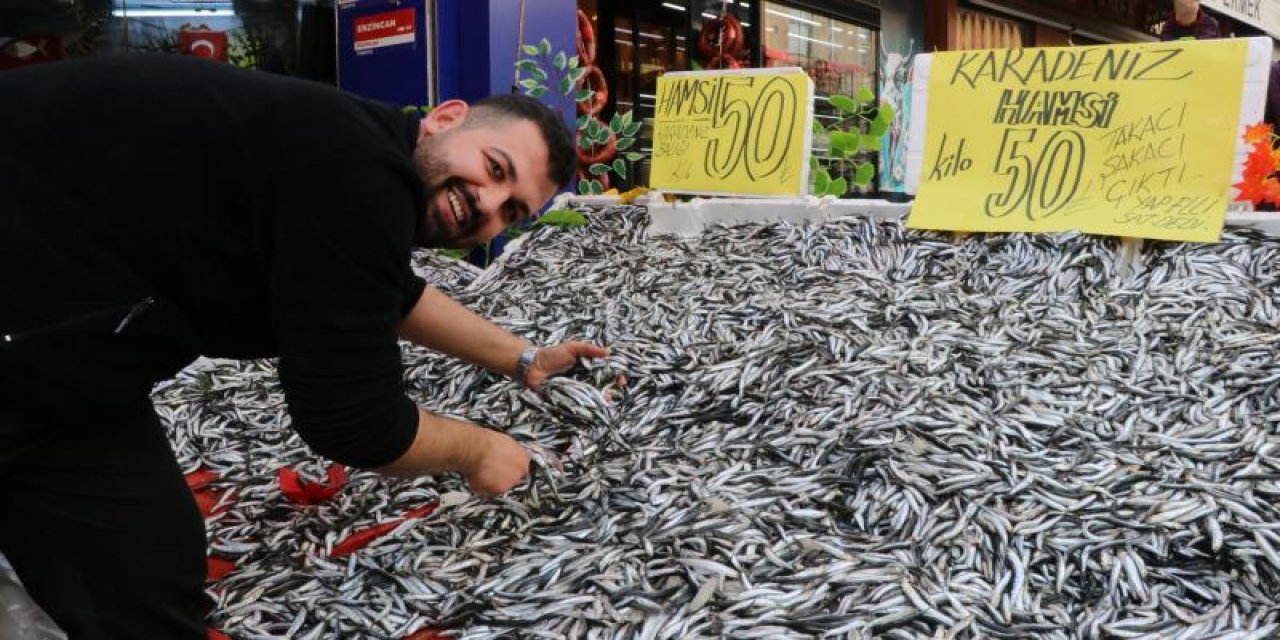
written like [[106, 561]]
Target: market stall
[[846, 428], [817, 419]]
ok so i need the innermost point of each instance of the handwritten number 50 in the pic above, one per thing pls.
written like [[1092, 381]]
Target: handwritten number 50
[[1040, 187], [764, 152]]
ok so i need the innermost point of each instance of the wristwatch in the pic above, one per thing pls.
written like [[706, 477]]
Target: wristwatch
[[523, 364]]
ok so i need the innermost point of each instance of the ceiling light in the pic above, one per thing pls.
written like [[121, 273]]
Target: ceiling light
[[826, 42], [794, 17], [173, 13]]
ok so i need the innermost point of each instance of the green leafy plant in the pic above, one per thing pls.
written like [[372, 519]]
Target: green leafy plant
[[540, 72], [562, 218], [456, 254], [244, 50], [856, 133], [420, 111], [545, 70], [594, 135]]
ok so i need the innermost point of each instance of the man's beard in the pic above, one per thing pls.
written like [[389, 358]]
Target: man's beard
[[434, 230]]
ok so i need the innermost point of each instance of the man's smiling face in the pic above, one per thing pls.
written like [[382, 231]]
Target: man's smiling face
[[481, 176]]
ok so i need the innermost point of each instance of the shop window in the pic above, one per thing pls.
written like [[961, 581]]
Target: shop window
[[840, 56], [647, 38], [650, 40], [293, 37]]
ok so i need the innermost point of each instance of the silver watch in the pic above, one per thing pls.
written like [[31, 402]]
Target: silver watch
[[523, 364]]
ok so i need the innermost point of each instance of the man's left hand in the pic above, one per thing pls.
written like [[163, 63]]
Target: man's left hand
[[555, 360]]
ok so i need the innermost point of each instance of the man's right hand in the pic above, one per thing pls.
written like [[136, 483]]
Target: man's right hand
[[491, 462], [500, 466]]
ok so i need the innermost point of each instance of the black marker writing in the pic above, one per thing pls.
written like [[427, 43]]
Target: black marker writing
[[1081, 109], [1021, 66]]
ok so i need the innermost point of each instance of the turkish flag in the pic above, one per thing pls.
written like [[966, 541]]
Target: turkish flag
[[28, 50], [202, 42]]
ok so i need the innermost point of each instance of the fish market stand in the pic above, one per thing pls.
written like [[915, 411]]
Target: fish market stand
[[834, 427], [844, 428]]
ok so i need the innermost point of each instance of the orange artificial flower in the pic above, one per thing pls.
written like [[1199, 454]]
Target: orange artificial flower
[[1256, 191], [1271, 191], [1260, 132], [1259, 163]]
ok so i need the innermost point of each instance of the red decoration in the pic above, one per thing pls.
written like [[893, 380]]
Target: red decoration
[[300, 491], [219, 568], [201, 478], [427, 634], [586, 41], [594, 80], [361, 539], [211, 501], [721, 37], [214, 634], [721, 42], [723, 62]]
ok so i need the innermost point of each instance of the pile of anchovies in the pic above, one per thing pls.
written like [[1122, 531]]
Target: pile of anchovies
[[848, 429]]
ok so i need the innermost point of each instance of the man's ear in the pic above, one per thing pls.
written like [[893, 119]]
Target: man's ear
[[444, 116]]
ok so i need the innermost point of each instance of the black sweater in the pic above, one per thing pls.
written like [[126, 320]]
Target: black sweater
[[157, 208]]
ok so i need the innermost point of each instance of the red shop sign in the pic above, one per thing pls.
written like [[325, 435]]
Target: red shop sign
[[384, 29]]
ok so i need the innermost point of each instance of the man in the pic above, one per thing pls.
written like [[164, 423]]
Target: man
[[1189, 22], [155, 209]]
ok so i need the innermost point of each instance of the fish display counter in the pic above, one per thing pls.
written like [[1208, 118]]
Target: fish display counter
[[839, 427]]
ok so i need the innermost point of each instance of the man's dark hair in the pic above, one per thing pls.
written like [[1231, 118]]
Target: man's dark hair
[[561, 152]]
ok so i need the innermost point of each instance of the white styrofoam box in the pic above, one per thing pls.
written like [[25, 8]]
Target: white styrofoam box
[[570, 200], [689, 218], [1266, 222]]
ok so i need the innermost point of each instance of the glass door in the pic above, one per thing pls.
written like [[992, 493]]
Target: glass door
[[651, 40]]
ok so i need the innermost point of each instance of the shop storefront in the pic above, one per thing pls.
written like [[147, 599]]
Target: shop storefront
[[977, 24], [846, 46], [1004, 24]]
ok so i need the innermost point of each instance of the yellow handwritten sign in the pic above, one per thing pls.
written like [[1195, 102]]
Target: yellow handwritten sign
[[1127, 140], [733, 132]]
